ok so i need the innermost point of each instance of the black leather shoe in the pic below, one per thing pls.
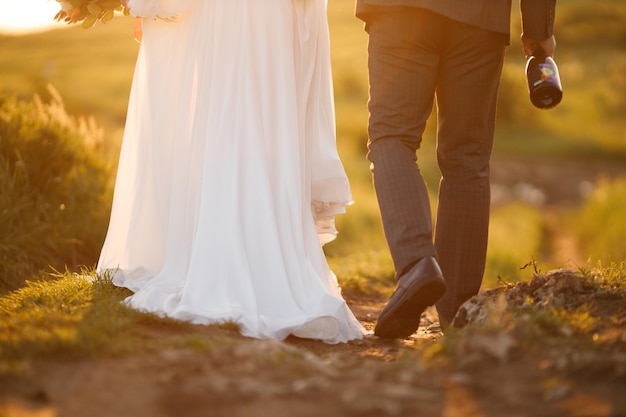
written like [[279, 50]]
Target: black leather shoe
[[419, 288]]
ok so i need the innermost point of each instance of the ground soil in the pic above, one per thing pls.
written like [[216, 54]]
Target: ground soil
[[486, 375]]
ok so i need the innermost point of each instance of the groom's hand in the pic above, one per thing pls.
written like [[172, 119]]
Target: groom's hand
[[531, 46]]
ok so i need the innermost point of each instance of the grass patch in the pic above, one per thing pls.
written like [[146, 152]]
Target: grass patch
[[55, 188], [365, 274], [600, 225], [515, 236], [80, 316], [63, 317]]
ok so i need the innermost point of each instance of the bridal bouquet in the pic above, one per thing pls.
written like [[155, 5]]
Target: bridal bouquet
[[89, 12]]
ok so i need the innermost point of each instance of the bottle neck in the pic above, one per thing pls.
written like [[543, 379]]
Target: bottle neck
[[539, 54]]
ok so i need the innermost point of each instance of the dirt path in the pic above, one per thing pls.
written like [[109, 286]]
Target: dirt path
[[235, 376], [550, 181]]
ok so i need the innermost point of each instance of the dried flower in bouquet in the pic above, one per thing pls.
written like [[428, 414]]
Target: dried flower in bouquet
[[89, 12]]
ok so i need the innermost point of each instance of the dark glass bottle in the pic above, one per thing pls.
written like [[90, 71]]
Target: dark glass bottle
[[544, 82]]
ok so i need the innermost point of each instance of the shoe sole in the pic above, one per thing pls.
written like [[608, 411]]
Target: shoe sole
[[403, 319]]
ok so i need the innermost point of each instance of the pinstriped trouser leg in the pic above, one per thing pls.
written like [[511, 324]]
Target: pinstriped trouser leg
[[402, 88], [413, 57], [466, 98]]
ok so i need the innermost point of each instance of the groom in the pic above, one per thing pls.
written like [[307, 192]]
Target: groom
[[451, 51]]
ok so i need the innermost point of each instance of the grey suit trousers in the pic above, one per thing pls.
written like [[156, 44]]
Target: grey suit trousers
[[416, 57]]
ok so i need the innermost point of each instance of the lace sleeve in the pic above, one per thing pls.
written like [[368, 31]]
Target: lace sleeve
[[163, 9]]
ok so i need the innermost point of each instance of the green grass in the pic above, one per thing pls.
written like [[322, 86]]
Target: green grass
[[515, 237], [365, 274], [61, 317], [601, 224], [69, 315], [55, 188]]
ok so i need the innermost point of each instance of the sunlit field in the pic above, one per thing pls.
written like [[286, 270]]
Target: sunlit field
[[550, 345], [92, 71]]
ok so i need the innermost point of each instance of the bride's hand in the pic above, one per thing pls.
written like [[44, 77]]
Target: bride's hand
[[137, 29]]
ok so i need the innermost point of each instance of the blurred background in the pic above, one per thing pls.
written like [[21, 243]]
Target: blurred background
[[559, 175]]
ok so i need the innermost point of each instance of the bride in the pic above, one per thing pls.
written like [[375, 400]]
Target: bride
[[229, 177]]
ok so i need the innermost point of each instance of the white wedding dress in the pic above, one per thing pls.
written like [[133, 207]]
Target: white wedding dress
[[229, 177]]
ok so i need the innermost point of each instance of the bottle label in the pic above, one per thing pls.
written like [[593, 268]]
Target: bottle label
[[546, 72]]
